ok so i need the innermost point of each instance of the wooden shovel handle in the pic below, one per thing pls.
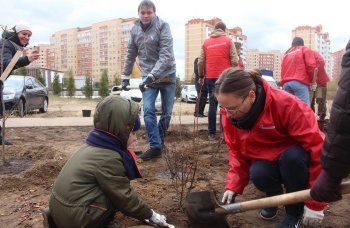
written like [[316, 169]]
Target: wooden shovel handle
[[274, 201]]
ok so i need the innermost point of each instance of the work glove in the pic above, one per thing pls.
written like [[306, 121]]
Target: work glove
[[149, 79], [326, 188], [229, 197], [313, 87], [125, 82], [159, 220], [312, 218]]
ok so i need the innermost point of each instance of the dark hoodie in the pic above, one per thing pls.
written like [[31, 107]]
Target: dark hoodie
[[9, 44]]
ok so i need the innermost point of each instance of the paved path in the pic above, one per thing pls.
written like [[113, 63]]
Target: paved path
[[82, 121]]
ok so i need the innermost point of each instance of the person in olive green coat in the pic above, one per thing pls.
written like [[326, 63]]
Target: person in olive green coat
[[95, 182]]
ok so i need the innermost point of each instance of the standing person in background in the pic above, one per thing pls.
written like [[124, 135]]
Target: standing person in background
[[273, 141], [298, 70], [321, 90], [13, 40], [335, 157], [217, 54], [202, 92], [152, 42], [238, 46]]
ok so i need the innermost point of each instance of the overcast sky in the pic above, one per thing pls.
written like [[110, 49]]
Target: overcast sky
[[267, 23]]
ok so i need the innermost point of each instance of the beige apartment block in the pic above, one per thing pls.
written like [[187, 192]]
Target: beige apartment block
[[196, 31], [336, 63], [92, 49], [265, 60], [316, 39]]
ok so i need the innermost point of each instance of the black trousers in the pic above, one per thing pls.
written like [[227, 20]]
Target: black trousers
[[201, 102]]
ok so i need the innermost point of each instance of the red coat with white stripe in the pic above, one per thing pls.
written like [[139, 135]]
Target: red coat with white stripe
[[285, 122]]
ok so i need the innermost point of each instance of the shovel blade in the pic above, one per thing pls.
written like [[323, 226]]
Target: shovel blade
[[200, 209]]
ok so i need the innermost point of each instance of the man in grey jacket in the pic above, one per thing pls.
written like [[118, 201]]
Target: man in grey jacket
[[151, 41]]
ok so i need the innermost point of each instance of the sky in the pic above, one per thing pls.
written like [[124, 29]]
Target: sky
[[267, 24]]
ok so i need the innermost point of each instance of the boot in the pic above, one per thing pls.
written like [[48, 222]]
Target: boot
[[151, 153], [6, 142], [48, 221]]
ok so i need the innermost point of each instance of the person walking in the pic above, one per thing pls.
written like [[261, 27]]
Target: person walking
[[95, 182], [273, 141], [335, 156], [320, 94], [202, 92], [298, 70], [151, 41], [13, 40], [217, 54]]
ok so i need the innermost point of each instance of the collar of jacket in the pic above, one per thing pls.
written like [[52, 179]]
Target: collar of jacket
[[217, 32]]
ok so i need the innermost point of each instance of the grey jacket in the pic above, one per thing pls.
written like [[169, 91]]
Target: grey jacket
[[154, 48]]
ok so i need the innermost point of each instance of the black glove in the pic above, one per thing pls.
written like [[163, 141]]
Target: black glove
[[149, 79], [125, 82], [326, 188]]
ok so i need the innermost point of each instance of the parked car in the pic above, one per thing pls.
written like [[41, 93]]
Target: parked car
[[268, 76], [134, 93], [189, 93], [24, 94]]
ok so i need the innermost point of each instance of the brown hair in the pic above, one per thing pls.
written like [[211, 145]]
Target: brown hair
[[239, 82], [147, 3], [220, 25]]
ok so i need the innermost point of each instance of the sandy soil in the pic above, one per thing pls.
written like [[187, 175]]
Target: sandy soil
[[38, 154]]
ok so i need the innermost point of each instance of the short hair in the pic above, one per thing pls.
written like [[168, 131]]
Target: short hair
[[297, 41], [220, 25], [147, 3]]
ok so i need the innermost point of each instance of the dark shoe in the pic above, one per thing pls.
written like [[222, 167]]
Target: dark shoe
[[151, 153], [290, 221], [6, 142], [200, 115], [268, 213], [48, 221], [211, 137]]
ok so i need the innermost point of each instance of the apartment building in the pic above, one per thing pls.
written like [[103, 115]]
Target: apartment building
[[265, 60], [42, 61], [316, 39], [196, 31], [336, 63], [92, 49]]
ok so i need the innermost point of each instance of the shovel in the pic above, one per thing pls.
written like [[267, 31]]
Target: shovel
[[203, 206]]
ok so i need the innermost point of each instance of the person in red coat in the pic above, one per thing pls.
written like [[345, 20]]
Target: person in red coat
[[273, 141]]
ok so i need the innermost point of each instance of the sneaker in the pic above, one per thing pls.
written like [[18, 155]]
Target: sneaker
[[211, 137], [151, 153], [268, 213], [290, 221]]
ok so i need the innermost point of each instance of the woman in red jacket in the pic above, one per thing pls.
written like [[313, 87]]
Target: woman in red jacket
[[273, 140]]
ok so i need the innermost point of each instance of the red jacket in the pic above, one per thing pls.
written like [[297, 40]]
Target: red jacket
[[241, 64], [322, 77], [285, 122], [298, 64], [217, 55]]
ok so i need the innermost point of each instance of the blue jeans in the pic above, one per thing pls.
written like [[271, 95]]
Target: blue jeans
[[156, 132], [291, 170], [213, 106], [298, 89]]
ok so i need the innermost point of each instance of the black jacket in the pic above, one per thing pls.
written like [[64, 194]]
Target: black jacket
[[196, 73], [336, 151], [11, 45]]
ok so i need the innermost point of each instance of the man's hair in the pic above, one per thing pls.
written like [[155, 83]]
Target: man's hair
[[297, 41], [220, 25], [147, 3]]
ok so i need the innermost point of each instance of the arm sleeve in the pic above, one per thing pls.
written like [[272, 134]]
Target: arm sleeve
[[166, 54], [233, 55], [130, 57], [310, 62], [7, 57], [113, 182]]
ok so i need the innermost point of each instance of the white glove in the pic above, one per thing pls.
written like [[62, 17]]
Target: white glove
[[228, 196], [313, 86], [312, 218], [159, 220]]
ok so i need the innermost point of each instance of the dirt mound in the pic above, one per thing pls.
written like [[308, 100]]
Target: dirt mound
[[37, 165]]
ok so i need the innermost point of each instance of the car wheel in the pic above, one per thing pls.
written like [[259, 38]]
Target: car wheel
[[21, 108], [44, 106]]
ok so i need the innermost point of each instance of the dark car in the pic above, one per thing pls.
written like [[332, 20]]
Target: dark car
[[24, 94]]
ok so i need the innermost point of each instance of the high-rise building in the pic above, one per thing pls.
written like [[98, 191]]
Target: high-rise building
[[316, 39], [92, 49], [196, 31], [336, 63], [265, 60]]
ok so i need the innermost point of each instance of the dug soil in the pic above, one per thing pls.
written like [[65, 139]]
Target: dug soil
[[38, 154]]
